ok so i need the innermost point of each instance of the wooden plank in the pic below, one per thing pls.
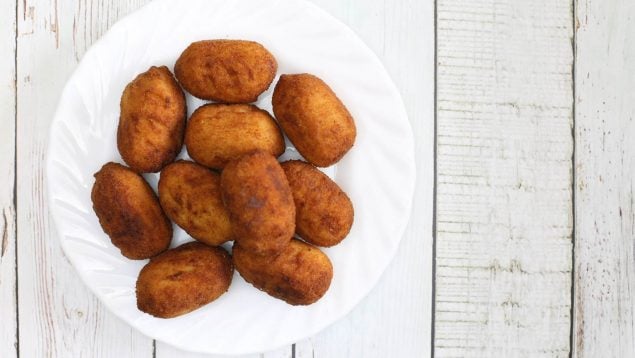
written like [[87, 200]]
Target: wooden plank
[[8, 308], [394, 320], [58, 316], [504, 178], [605, 177]]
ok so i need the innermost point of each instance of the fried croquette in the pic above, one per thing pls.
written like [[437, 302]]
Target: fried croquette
[[129, 212], [217, 133], [314, 119], [261, 210], [227, 71], [324, 213], [183, 279], [299, 275], [190, 196], [152, 121]]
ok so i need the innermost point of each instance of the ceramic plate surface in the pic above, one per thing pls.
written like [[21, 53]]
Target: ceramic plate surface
[[378, 173]]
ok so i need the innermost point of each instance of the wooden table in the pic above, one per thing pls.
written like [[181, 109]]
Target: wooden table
[[521, 242]]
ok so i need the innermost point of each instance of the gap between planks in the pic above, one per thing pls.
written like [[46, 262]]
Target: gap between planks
[[574, 18], [435, 183]]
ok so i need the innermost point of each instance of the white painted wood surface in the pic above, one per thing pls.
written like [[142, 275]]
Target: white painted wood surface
[[57, 316], [504, 208], [8, 309], [605, 179]]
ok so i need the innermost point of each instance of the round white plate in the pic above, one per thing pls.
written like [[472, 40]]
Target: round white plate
[[378, 173]]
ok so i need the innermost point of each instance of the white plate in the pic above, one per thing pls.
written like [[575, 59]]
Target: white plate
[[378, 173]]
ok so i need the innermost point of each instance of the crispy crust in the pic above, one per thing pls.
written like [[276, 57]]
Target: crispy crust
[[324, 213], [228, 71], [183, 279], [261, 210], [314, 119], [190, 196], [217, 133], [300, 275], [129, 212], [152, 120]]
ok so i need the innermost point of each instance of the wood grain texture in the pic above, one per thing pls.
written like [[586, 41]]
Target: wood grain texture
[[57, 315], [504, 178], [394, 319], [605, 180], [8, 308]]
